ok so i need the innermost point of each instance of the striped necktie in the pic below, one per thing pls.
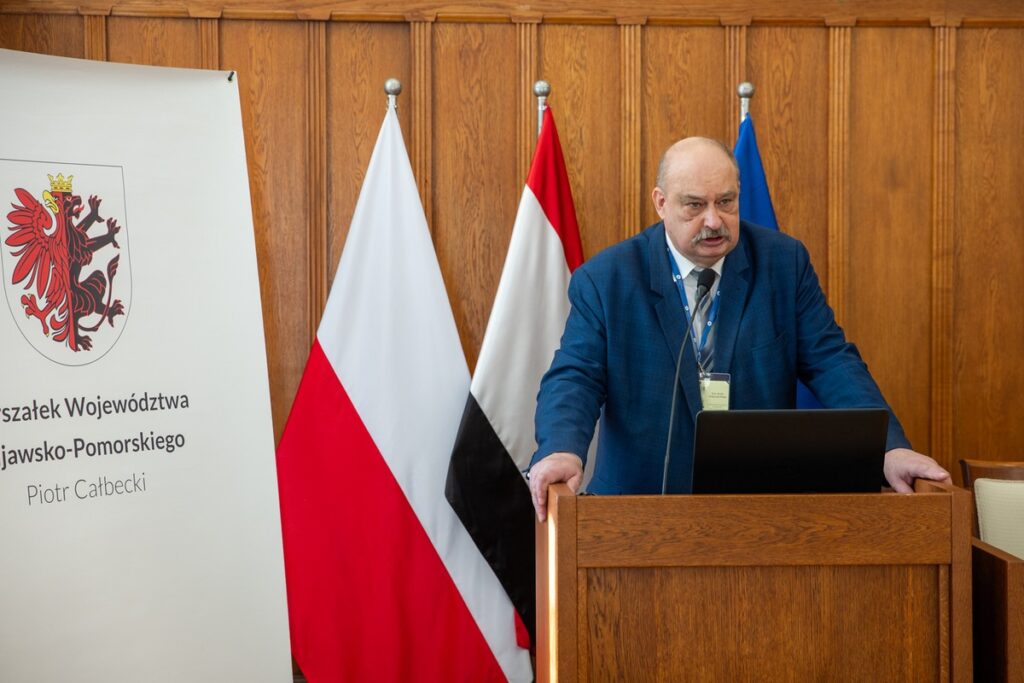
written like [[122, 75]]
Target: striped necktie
[[701, 309]]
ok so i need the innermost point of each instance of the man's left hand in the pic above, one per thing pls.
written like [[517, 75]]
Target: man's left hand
[[902, 466]]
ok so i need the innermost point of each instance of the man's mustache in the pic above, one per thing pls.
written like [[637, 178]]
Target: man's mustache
[[709, 233]]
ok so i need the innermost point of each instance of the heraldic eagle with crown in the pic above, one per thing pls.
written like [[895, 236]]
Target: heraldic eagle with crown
[[53, 247]]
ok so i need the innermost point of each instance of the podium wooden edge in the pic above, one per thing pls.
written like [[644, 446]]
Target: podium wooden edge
[[556, 650]]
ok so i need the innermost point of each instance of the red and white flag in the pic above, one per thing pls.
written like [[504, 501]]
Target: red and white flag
[[384, 582]]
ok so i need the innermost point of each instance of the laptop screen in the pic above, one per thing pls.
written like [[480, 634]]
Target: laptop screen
[[789, 451]]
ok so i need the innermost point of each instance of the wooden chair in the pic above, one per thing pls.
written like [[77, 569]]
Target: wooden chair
[[1000, 506], [998, 602], [989, 469], [998, 590]]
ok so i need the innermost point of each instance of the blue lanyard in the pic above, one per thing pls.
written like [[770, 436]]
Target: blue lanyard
[[712, 314]]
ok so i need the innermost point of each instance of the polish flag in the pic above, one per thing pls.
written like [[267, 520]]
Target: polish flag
[[384, 582]]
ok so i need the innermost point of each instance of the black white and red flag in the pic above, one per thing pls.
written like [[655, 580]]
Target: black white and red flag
[[496, 437]]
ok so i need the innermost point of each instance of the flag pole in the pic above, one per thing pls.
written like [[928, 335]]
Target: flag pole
[[745, 91], [393, 88], [541, 89]]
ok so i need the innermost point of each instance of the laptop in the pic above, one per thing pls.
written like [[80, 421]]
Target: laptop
[[789, 451]]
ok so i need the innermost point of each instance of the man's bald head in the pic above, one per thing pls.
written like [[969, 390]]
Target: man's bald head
[[697, 197], [686, 146]]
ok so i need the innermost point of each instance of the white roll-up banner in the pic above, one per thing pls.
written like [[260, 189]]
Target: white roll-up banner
[[139, 522]]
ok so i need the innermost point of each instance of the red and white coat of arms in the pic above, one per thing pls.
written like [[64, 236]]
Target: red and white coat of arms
[[63, 254]]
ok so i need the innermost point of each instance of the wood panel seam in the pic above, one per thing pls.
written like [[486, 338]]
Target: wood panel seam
[[943, 188], [631, 54], [839, 51], [526, 112], [209, 43], [736, 70], [422, 124], [317, 188], [95, 36]]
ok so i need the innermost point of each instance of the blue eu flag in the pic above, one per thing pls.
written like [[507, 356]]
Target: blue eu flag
[[756, 207]]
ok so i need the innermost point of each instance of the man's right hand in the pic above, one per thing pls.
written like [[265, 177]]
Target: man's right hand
[[554, 469]]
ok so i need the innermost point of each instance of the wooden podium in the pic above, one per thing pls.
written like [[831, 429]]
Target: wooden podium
[[863, 587]]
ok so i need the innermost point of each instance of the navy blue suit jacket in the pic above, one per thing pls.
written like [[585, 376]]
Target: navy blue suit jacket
[[618, 352]]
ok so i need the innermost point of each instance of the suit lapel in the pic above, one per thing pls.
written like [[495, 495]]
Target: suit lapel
[[672, 319], [735, 286]]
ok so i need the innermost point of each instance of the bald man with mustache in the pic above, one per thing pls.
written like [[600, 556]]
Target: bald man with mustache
[[770, 325]]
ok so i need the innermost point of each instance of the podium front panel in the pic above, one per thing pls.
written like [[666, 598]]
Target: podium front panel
[[789, 588]]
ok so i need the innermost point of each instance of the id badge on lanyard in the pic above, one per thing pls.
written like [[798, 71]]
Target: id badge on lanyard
[[714, 386], [714, 390]]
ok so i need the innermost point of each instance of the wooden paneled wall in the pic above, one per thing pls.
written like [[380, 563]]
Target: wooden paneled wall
[[890, 133]]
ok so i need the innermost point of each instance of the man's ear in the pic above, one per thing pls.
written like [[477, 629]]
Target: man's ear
[[658, 197]]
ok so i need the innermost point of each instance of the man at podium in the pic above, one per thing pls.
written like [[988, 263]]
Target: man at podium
[[738, 305]]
